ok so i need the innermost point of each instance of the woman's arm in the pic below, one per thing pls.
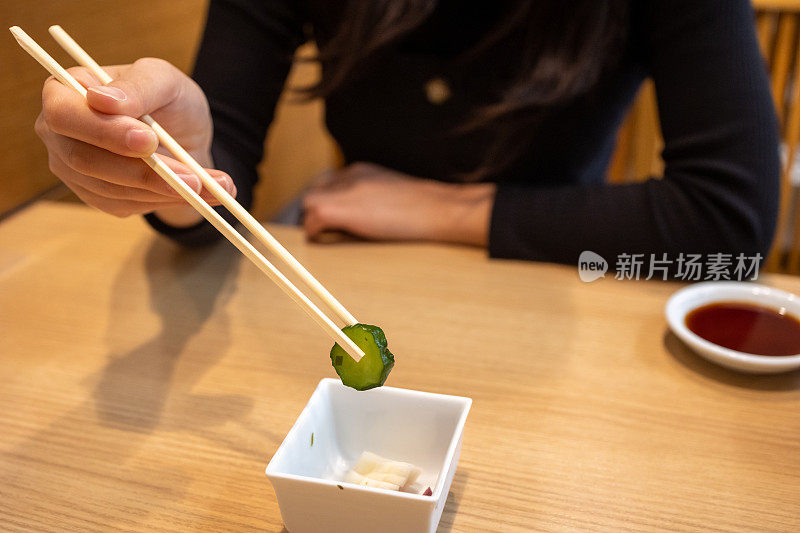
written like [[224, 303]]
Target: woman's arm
[[242, 64], [719, 192]]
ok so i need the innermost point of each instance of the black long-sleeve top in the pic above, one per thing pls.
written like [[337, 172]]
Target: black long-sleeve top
[[719, 191]]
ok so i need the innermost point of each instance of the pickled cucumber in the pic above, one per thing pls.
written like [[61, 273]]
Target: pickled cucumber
[[373, 369]]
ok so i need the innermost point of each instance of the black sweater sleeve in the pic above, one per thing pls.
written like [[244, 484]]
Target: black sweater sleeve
[[242, 64], [719, 192]]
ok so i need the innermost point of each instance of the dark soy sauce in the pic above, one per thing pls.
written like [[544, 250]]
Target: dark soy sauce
[[746, 327]]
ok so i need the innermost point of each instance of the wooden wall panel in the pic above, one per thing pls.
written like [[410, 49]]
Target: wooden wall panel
[[298, 144], [637, 155], [777, 5]]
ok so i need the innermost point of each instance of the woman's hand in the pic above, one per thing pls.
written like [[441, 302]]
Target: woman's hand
[[94, 148], [376, 203]]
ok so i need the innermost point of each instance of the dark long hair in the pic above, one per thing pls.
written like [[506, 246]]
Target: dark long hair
[[565, 46]]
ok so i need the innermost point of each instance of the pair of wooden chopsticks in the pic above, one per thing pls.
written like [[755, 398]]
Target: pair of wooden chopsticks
[[219, 192]]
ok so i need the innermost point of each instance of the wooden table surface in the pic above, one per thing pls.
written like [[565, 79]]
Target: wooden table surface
[[145, 387]]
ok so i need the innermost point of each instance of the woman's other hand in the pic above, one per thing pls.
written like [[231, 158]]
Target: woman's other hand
[[376, 203]]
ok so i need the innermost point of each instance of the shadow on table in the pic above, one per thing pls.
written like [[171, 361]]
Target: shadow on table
[[184, 287], [453, 501], [767, 382]]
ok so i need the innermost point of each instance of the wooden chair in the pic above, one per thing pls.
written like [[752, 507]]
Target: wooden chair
[[777, 28], [639, 141]]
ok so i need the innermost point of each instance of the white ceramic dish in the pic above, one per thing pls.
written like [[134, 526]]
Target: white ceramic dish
[[694, 296], [416, 427]]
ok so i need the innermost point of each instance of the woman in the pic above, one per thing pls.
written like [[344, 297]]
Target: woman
[[485, 123]]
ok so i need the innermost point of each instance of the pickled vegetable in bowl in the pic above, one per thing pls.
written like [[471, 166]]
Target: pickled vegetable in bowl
[[372, 470], [373, 369]]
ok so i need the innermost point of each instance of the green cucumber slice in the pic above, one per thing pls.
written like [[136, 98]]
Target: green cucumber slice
[[373, 369]]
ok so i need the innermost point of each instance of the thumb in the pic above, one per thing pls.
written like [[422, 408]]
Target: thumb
[[145, 86]]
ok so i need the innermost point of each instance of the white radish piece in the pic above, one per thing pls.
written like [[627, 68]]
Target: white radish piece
[[372, 470]]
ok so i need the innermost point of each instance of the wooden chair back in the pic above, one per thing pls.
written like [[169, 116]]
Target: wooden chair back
[[777, 29]]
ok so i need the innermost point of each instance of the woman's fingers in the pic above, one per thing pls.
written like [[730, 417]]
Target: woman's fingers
[[106, 189], [124, 199], [65, 112], [120, 170], [326, 204], [324, 211], [119, 208], [136, 202], [314, 224], [144, 87], [110, 121], [115, 199], [186, 175], [126, 171]]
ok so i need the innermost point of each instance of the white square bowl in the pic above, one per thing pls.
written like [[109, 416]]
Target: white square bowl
[[421, 428]]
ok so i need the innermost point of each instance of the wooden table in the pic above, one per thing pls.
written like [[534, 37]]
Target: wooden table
[[145, 387]]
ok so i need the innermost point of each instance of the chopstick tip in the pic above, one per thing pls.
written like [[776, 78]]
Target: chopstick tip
[[19, 34]]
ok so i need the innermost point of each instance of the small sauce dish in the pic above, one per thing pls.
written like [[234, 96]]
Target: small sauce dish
[[336, 426], [749, 295]]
